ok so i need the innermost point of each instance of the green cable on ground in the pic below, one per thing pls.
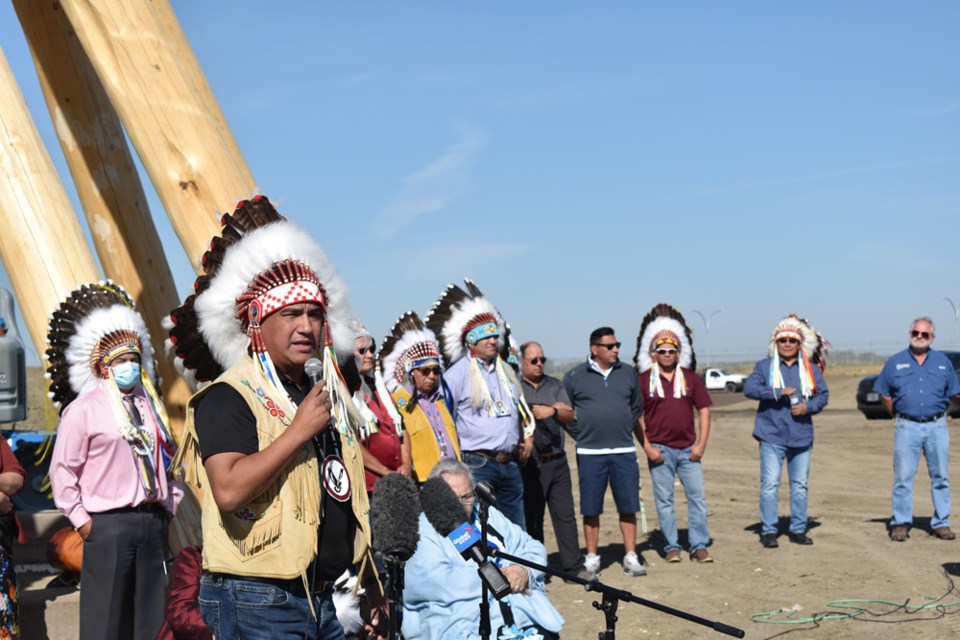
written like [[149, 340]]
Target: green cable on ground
[[760, 617], [846, 603]]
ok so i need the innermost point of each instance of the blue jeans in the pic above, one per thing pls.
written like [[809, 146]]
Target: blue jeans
[[506, 481], [933, 439], [798, 468], [237, 608], [676, 462]]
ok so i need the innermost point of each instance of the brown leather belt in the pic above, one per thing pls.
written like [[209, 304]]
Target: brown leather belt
[[549, 456], [493, 455]]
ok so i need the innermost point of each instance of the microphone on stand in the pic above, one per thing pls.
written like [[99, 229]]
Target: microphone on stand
[[486, 493], [444, 511], [394, 516], [395, 533]]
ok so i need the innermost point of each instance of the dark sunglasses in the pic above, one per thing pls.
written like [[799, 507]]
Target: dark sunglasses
[[607, 345], [920, 334], [664, 352], [429, 371], [541, 360], [788, 341], [370, 349]]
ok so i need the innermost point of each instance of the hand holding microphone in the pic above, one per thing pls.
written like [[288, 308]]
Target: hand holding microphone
[[314, 412]]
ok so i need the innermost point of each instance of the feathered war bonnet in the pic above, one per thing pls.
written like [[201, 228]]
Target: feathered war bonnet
[[409, 345], [812, 351], [93, 325], [664, 324], [462, 318], [259, 263]]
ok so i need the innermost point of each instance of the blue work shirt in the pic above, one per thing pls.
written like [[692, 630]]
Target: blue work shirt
[[919, 391], [774, 423], [479, 427]]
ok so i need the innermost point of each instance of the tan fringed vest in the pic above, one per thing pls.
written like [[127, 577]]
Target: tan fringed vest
[[424, 448], [248, 542]]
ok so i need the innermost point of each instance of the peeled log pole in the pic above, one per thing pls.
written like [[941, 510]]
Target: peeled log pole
[[106, 180], [190, 64], [41, 242], [194, 170]]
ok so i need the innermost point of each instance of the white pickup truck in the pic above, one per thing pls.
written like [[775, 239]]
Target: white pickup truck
[[722, 379]]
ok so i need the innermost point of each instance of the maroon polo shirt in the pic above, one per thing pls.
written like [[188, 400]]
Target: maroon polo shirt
[[669, 420]]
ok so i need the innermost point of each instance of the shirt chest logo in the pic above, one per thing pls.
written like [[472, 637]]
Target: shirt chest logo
[[903, 366]]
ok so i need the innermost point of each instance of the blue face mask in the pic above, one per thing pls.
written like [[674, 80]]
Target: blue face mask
[[126, 374]]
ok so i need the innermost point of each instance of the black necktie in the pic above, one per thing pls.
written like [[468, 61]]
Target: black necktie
[[128, 400]]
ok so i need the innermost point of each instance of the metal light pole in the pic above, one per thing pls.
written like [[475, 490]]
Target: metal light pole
[[956, 319], [706, 327]]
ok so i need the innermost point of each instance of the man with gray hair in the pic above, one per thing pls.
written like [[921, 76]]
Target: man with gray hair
[[441, 597], [916, 386]]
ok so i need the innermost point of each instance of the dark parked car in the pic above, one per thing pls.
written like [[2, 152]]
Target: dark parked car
[[868, 400]]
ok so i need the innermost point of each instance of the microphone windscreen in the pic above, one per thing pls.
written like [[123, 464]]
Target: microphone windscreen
[[441, 506], [314, 370], [394, 516]]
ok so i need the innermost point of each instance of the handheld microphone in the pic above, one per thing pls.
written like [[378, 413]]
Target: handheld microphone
[[445, 513], [486, 493], [314, 370], [394, 516]]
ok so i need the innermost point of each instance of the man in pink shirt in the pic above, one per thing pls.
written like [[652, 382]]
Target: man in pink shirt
[[110, 466]]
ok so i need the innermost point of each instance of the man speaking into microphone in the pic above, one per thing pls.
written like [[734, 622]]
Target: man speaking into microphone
[[274, 448], [441, 598]]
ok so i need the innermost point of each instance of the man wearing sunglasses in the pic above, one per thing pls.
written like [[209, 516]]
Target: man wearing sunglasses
[[916, 386], [672, 393], [546, 475], [791, 389], [606, 398]]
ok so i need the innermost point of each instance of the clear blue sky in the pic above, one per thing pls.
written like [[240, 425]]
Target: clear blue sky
[[584, 161]]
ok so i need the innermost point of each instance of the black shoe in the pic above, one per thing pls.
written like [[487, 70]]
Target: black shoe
[[769, 541], [800, 538]]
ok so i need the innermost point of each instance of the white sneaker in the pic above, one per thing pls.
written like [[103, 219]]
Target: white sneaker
[[591, 563], [632, 566]]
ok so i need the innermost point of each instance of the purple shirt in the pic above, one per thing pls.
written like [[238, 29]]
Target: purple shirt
[[428, 404], [93, 468], [481, 428]]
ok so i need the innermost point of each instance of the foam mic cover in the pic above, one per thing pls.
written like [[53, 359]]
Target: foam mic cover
[[441, 506], [314, 370], [394, 516]]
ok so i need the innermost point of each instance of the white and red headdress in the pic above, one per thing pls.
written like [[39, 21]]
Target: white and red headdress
[[664, 325], [93, 325], [409, 345], [812, 352], [260, 263], [462, 318]]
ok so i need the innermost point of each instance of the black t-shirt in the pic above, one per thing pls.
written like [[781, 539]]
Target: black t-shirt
[[225, 424]]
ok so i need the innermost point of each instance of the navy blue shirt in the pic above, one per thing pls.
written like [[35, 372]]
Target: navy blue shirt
[[607, 408], [919, 391], [774, 423]]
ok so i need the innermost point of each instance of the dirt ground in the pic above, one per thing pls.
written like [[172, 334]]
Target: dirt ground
[[852, 558]]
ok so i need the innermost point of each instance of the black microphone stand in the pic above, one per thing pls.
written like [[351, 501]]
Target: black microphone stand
[[394, 583], [612, 598], [484, 593]]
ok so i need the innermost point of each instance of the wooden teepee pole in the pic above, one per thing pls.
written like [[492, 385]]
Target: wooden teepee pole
[[106, 180], [41, 242], [183, 147]]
